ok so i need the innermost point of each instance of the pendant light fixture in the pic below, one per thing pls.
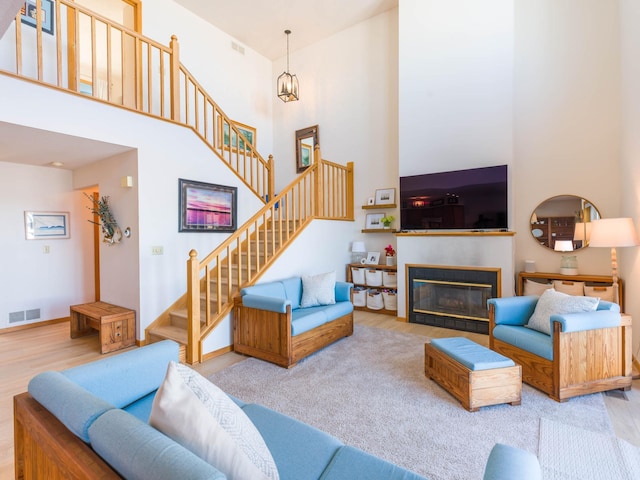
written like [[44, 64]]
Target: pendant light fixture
[[287, 83]]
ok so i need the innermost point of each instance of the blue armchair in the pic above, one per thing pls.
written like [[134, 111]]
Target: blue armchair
[[586, 352]]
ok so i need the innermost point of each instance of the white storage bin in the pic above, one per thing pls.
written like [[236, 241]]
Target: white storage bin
[[390, 279], [357, 275], [359, 297], [390, 300], [374, 300], [373, 278]]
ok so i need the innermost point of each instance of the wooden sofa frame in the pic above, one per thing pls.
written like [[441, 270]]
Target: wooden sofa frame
[[45, 448], [267, 335], [583, 362]]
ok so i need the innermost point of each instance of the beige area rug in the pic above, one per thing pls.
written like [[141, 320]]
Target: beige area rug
[[370, 391], [568, 452]]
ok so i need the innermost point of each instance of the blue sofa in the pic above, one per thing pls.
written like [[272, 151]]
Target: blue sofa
[[91, 422], [587, 352], [270, 324]]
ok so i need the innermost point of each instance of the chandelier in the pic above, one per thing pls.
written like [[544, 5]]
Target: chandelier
[[287, 83]]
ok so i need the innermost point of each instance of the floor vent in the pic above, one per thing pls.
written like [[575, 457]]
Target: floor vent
[[33, 314], [16, 317]]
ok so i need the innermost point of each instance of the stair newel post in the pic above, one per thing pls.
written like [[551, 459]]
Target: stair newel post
[[319, 207], [174, 78], [271, 180], [193, 307], [349, 193]]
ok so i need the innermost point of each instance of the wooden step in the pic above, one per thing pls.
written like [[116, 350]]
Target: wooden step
[[169, 332]]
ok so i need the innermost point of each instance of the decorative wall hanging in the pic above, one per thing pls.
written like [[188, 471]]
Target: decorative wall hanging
[[111, 233], [205, 207]]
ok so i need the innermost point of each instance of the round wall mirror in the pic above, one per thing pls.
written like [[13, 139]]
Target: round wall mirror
[[563, 223]]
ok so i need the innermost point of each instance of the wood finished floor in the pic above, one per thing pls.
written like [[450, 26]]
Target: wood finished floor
[[25, 353]]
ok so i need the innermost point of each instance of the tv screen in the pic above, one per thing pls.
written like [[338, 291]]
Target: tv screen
[[472, 199]]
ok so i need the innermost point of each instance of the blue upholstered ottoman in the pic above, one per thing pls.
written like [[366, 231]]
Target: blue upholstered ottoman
[[473, 374]]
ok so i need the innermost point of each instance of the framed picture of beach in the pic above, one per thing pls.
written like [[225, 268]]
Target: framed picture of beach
[[206, 207], [46, 225]]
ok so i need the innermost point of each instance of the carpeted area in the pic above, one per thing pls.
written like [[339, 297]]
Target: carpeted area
[[568, 452], [370, 391]]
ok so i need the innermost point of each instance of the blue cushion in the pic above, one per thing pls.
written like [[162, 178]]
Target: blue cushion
[[343, 291], [263, 302], [141, 408], [470, 354], [269, 289], [138, 451], [527, 339], [305, 319], [301, 452], [508, 463], [577, 322], [76, 408], [349, 463], [513, 310], [126, 377], [293, 291], [604, 305], [337, 310]]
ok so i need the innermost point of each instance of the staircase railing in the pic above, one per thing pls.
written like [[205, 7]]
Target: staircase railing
[[324, 190], [88, 54]]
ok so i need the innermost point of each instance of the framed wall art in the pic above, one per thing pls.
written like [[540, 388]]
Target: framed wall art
[[206, 207], [374, 220], [45, 225], [232, 140], [386, 196], [372, 258], [28, 13]]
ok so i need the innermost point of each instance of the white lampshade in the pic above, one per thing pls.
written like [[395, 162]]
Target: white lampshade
[[563, 246], [582, 232], [613, 232], [358, 247]]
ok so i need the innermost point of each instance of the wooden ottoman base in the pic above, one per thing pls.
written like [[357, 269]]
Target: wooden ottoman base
[[473, 388]]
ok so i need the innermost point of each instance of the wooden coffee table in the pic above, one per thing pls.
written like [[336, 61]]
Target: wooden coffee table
[[116, 325]]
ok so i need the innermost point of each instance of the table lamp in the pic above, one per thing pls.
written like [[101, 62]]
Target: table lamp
[[358, 252], [569, 263], [613, 233]]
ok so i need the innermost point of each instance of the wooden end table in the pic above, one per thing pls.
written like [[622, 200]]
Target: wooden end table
[[116, 325]]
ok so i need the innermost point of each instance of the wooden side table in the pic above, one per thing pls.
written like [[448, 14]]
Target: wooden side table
[[116, 325]]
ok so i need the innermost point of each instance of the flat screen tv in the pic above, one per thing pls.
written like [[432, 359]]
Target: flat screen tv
[[472, 199]]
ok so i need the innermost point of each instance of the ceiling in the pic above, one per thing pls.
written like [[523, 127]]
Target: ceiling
[[260, 25]]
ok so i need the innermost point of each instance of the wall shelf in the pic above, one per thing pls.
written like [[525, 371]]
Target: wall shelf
[[378, 207]]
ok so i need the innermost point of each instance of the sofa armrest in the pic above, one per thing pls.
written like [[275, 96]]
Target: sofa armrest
[[262, 302], [507, 463], [576, 322], [343, 291], [512, 310], [136, 450]]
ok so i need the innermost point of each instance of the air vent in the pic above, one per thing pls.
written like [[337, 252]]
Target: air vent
[[238, 48], [33, 314], [16, 317]]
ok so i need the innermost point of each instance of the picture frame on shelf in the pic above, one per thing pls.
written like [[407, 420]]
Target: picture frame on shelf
[[385, 196], [227, 138], [372, 258], [206, 207], [46, 225], [374, 221], [28, 14], [371, 201]]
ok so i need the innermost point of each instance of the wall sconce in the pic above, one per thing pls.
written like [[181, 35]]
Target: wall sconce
[[613, 232], [287, 88], [569, 263], [126, 182]]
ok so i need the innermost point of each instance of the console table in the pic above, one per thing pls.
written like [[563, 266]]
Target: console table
[[116, 325]]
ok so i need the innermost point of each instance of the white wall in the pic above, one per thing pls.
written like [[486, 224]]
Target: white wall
[[348, 87], [629, 258], [567, 116], [32, 279]]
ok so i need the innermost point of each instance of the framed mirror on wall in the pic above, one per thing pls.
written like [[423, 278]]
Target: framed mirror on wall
[[563, 218], [306, 141]]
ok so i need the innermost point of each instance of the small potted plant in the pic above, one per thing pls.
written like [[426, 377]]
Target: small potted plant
[[386, 220], [390, 255]]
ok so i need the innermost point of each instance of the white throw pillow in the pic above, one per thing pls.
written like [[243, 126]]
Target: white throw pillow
[[198, 415], [558, 303], [318, 289]]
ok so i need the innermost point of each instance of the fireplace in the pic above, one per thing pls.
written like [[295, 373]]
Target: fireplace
[[451, 297]]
